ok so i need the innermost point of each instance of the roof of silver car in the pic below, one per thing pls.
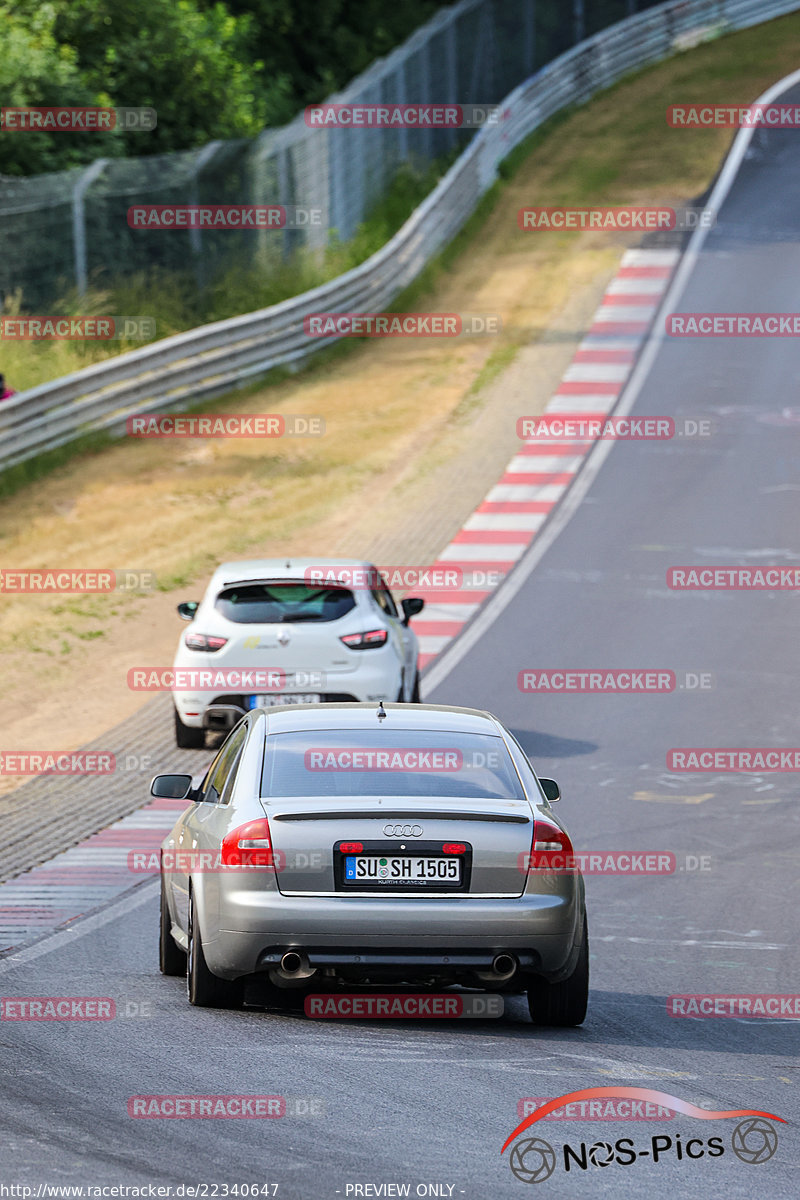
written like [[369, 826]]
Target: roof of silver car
[[298, 717]]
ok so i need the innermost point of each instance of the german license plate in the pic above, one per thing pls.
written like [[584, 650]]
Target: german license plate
[[390, 870], [274, 699]]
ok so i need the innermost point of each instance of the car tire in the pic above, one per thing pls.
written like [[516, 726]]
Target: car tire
[[563, 1004], [415, 696], [187, 737], [171, 959], [203, 988]]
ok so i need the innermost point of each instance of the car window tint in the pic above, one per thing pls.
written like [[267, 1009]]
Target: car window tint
[[523, 764], [383, 597], [274, 603], [234, 771], [366, 762], [223, 765], [210, 773]]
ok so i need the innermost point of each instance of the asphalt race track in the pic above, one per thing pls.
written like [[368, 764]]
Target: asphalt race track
[[431, 1103]]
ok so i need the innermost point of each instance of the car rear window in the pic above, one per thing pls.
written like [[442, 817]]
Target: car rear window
[[273, 603], [385, 762]]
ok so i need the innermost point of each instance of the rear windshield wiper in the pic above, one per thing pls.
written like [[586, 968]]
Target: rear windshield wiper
[[297, 616]]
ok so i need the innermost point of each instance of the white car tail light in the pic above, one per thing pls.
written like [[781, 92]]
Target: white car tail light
[[365, 641], [204, 641]]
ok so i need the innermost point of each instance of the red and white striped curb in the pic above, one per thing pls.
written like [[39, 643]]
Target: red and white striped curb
[[83, 877], [500, 530], [492, 540]]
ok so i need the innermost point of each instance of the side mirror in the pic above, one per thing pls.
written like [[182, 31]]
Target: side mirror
[[172, 787], [187, 610], [551, 789], [411, 607]]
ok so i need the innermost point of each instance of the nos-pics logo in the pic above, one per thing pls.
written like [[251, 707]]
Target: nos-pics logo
[[533, 1160]]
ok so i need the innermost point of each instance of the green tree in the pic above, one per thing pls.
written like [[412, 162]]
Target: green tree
[[40, 70], [210, 69], [320, 45], [191, 63]]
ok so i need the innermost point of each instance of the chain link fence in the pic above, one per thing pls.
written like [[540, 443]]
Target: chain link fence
[[69, 229]]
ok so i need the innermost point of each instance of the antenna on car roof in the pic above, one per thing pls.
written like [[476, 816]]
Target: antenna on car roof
[[381, 711], [288, 564]]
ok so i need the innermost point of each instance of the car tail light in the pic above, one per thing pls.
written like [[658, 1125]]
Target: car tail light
[[365, 641], [551, 849], [204, 641], [351, 847], [454, 848], [248, 846]]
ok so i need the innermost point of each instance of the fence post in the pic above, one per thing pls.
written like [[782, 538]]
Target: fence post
[[530, 37], [79, 222], [283, 197], [452, 76], [311, 173], [195, 234], [426, 149], [401, 97], [263, 148], [578, 21]]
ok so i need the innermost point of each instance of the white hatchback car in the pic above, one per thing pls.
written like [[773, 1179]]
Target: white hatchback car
[[270, 632]]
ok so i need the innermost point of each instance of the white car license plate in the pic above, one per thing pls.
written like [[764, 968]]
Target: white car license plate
[[274, 699], [362, 868]]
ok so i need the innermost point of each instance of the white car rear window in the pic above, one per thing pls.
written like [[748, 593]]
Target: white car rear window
[[275, 603]]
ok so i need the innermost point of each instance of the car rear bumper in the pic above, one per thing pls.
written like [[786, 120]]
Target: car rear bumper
[[376, 678], [540, 930]]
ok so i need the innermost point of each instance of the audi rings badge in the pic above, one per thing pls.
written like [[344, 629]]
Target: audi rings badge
[[402, 830]]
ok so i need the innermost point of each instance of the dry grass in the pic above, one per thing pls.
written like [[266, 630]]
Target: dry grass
[[178, 508]]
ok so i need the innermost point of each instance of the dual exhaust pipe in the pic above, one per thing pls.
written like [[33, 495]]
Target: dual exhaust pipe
[[295, 969]]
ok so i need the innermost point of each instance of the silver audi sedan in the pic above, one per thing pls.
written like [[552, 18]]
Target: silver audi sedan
[[340, 844]]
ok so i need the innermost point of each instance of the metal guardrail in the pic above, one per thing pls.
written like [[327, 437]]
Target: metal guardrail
[[172, 374]]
